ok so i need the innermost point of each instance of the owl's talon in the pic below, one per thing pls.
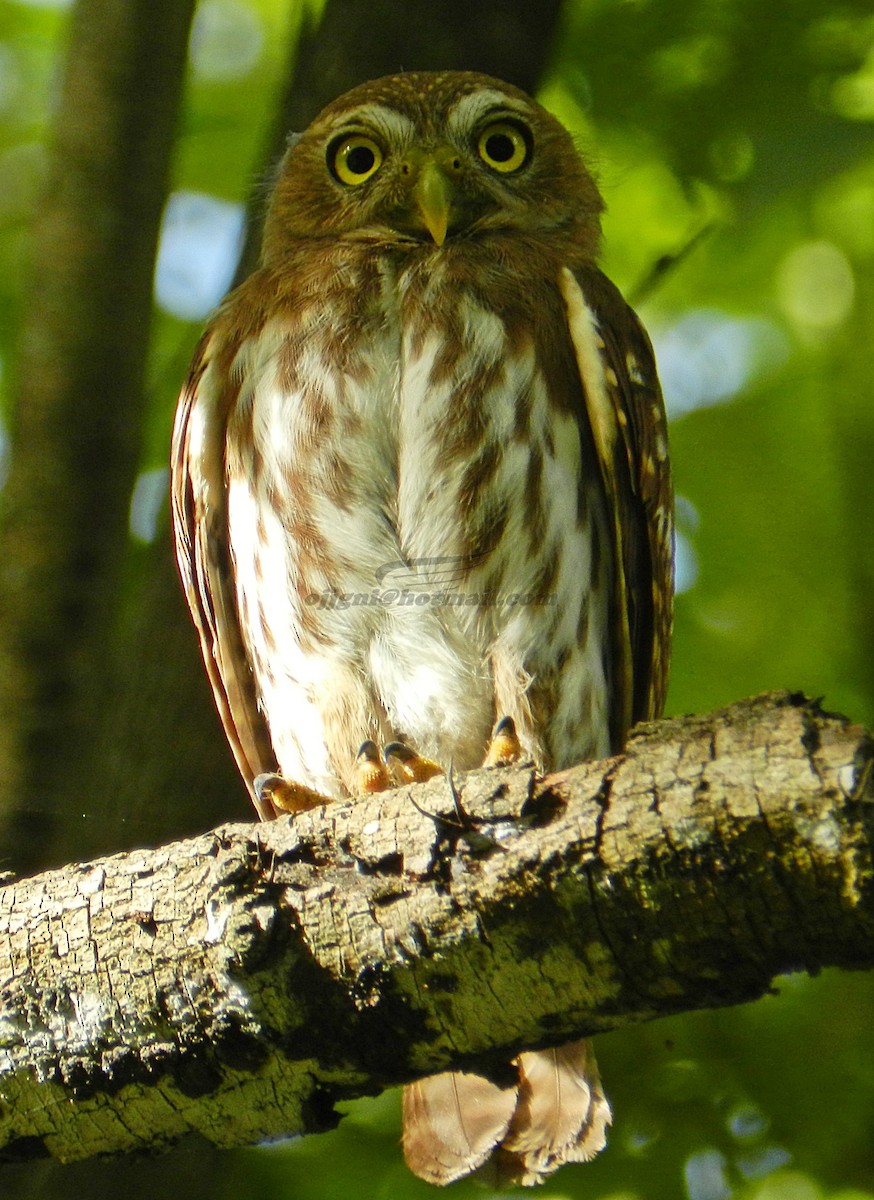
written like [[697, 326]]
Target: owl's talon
[[406, 766], [275, 793], [371, 774], [505, 749]]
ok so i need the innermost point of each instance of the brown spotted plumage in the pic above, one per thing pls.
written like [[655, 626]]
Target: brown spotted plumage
[[420, 485]]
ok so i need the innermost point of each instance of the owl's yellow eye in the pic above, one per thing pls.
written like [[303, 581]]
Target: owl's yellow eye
[[503, 147], [354, 158]]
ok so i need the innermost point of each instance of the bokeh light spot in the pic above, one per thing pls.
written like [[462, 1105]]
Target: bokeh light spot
[[200, 244], [815, 285], [705, 1178], [146, 502], [707, 357], [227, 40]]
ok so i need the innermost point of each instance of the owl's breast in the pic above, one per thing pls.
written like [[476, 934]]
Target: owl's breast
[[498, 485], [417, 503], [400, 412], [489, 447]]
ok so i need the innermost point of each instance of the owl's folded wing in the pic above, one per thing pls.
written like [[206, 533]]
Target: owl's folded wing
[[624, 408], [199, 505]]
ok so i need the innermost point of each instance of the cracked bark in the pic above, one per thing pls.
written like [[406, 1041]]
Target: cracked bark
[[240, 983]]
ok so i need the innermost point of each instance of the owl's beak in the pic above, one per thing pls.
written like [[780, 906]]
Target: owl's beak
[[432, 195]]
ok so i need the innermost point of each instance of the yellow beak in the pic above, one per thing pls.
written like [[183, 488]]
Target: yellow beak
[[432, 194]]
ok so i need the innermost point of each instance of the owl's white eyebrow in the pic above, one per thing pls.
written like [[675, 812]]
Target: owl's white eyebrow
[[469, 110], [395, 128]]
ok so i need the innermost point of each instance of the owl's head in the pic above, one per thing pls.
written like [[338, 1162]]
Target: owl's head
[[430, 157]]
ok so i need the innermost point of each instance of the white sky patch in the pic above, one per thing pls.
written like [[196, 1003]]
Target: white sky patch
[[201, 239], [685, 564], [705, 1176], [708, 357], [757, 1163]]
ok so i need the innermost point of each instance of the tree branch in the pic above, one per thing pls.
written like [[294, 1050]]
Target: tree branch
[[240, 983]]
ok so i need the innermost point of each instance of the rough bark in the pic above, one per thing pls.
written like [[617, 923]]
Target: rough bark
[[241, 983]]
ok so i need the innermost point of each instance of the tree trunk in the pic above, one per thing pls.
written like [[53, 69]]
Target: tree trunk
[[77, 425]]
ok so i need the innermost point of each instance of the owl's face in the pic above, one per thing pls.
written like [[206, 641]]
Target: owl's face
[[430, 158]]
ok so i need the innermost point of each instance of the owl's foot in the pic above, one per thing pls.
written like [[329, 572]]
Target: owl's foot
[[371, 773], [397, 766], [405, 766], [282, 795], [408, 767], [504, 747]]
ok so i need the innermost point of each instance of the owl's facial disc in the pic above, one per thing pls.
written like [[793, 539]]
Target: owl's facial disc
[[444, 193], [434, 163], [428, 187]]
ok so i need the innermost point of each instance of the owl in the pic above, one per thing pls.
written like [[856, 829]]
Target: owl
[[421, 487]]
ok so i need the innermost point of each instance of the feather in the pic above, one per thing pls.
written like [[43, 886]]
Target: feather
[[561, 1115], [623, 406], [199, 500], [453, 1122]]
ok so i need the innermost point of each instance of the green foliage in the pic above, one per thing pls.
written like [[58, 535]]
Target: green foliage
[[741, 132]]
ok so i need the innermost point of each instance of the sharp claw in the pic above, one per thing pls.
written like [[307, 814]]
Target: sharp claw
[[264, 786], [371, 774], [504, 747], [408, 767], [397, 750], [463, 817], [274, 792]]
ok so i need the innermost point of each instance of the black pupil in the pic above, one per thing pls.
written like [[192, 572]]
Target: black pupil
[[500, 147], [360, 160]]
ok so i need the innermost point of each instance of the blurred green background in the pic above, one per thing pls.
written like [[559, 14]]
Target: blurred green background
[[733, 144]]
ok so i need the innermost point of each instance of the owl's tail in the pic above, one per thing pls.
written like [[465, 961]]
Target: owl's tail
[[555, 1112]]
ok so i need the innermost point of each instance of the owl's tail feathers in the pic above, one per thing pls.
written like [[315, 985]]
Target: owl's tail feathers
[[453, 1122], [557, 1113], [561, 1116]]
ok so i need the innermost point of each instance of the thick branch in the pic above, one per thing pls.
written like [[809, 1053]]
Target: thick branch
[[239, 984]]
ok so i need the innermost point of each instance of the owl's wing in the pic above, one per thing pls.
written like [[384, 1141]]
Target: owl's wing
[[200, 524], [625, 410]]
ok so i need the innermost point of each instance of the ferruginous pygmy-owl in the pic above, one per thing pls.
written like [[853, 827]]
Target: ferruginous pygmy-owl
[[429, 387]]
